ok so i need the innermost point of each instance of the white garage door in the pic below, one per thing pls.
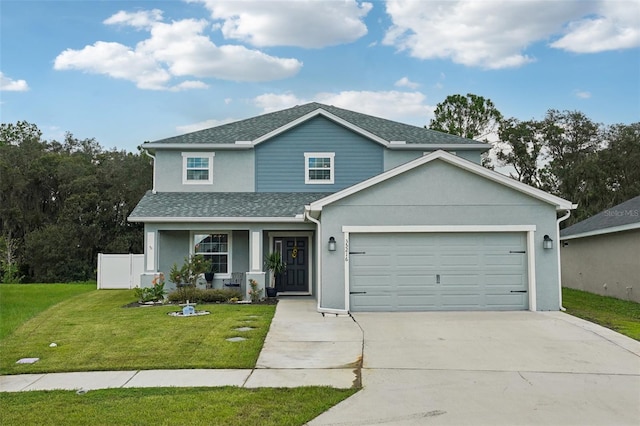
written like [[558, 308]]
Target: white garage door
[[438, 271]]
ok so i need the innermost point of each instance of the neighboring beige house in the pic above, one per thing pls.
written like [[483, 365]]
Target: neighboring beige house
[[601, 254]]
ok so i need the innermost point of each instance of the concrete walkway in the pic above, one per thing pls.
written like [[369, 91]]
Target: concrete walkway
[[302, 348]]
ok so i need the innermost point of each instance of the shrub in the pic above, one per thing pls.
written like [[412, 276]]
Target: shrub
[[154, 293], [197, 295]]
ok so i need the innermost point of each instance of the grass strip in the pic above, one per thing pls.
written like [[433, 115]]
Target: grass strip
[[93, 332], [622, 316], [170, 406]]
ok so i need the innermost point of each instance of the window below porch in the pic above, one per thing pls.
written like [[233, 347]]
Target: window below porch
[[215, 248]]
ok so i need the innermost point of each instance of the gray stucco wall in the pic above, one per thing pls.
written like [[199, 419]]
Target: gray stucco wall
[[233, 171], [280, 162], [439, 194], [604, 264]]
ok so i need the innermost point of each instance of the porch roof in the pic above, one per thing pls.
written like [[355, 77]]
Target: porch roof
[[230, 205]]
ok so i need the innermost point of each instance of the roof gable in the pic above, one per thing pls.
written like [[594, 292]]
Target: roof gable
[[251, 131], [622, 217], [559, 203]]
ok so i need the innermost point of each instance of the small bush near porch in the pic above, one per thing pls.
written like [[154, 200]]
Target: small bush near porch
[[94, 332]]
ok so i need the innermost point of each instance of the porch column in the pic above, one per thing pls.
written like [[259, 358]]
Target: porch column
[[255, 248], [255, 263]]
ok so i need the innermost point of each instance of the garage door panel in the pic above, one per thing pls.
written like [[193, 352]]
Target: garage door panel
[[505, 301], [456, 259], [422, 261], [414, 272], [416, 302], [504, 280], [503, 260]]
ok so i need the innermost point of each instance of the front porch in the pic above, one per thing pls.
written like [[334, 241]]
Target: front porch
[[235, 251]]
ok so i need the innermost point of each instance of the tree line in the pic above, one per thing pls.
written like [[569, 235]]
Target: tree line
[[62, 203], [565, 153]]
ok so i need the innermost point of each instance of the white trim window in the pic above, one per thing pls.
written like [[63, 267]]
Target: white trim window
[[197, 167], [216, 248], [319, 167]]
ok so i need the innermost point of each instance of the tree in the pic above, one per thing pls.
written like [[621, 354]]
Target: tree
[[520, 147], [570, 138], [64, 202], [472, 117]]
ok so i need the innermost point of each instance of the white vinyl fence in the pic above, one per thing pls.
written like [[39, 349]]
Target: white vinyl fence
[[119, 270]]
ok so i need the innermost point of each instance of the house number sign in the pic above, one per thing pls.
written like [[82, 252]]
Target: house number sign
[[294, 252]]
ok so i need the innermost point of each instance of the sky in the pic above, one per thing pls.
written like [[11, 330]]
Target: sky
[[126, 72]]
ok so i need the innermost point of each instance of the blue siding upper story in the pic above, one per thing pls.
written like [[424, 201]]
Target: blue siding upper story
[[280, 164]]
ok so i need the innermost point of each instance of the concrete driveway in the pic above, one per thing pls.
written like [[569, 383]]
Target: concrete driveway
[[491, 368]]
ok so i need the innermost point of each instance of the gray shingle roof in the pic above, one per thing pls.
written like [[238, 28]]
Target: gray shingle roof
[[223, 204], [623, 214], [255, 127]]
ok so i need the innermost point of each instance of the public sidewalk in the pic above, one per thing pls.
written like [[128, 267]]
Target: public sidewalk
[[302, 348]]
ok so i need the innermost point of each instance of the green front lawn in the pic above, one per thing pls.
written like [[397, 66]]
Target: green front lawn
[[19, 302], [170, 406], [94, 332], [622, 316]]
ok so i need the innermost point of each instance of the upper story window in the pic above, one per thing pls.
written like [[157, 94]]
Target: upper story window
[[197, 167], [319, 167]]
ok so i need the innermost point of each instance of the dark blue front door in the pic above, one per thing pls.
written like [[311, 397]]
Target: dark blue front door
[[296, 255]]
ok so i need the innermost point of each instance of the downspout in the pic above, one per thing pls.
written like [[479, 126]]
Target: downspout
[[561, 219], [319, 251], [153, 188]]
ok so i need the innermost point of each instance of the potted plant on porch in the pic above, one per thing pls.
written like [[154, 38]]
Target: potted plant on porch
[[273, 263]]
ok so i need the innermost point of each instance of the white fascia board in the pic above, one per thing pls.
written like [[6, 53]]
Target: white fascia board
[[447, 147], [560, 203], [604, 231], [195, 146], [437, 228], [326, 114], [156, 219]]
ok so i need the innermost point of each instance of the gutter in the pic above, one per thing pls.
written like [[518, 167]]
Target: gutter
[[153, 188], [561, 219]]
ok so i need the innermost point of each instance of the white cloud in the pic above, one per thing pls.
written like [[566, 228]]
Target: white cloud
[[194, 127], [139, 19], [486, 34], [406, 107], [8, 84], [176, 49], [189, 85], [615, 25], [405, 82], [115, 60], [582, 94], [301, 23]]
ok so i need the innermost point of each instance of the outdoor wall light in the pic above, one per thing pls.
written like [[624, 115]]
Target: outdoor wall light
[[332, 244], [547, 243]]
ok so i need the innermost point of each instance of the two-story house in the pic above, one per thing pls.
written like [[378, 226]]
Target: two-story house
[[369, 214]]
